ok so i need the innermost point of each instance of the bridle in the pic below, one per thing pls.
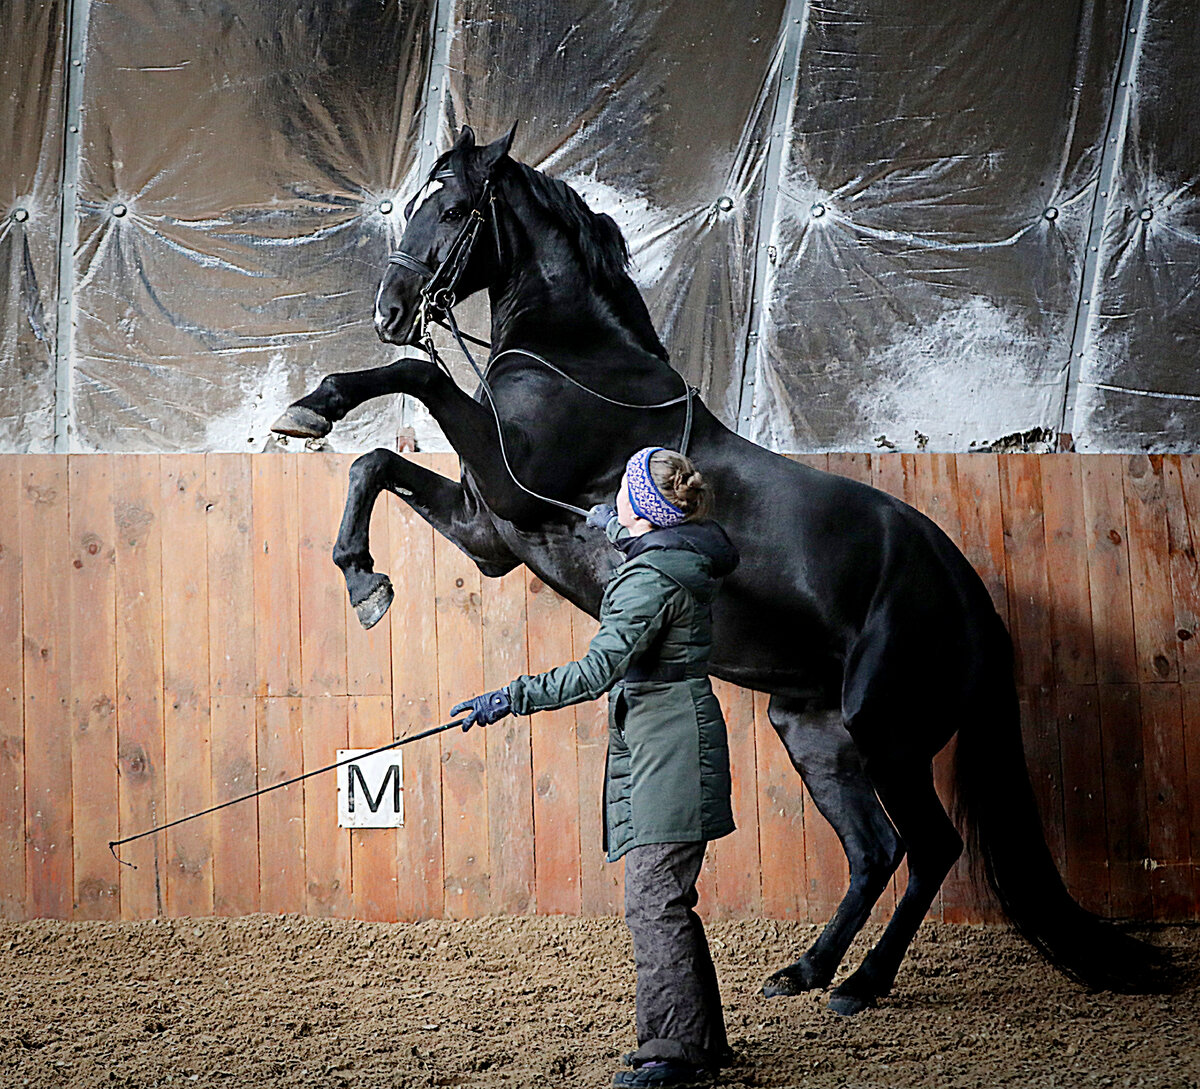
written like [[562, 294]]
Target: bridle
[[437, 306], [437, 292]]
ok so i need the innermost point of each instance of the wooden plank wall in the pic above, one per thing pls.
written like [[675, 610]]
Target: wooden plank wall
[[174, 634]]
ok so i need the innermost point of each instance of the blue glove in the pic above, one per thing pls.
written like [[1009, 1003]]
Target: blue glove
[[484, 710], [600, 515]]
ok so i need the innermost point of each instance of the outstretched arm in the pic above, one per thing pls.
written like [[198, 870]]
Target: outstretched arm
[[636, 610], [629, 622]]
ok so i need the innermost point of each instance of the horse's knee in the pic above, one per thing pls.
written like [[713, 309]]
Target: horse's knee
[[369, 475]]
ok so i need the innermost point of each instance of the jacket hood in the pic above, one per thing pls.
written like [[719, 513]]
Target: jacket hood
[[706, 538]]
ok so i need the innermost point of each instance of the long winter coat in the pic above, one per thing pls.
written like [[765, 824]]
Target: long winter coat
[[667, 778]]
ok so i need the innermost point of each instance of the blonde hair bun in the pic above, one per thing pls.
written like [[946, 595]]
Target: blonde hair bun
[[682, 484]]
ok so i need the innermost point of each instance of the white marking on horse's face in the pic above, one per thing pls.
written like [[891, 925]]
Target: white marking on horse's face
[[432, 188], [379, 316]]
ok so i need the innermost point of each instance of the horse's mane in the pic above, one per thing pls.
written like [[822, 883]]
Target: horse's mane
[[596, 238]]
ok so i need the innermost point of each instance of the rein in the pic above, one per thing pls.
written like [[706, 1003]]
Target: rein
[[452, 325], [439, 296]]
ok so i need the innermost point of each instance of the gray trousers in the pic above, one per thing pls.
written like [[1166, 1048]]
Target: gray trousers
[[678, 1004]]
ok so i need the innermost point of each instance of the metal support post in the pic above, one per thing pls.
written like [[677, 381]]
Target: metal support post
[[1114, 141], [75, 46], [795, 19]]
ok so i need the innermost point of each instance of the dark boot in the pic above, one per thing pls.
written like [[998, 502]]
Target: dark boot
[[666, 1072]]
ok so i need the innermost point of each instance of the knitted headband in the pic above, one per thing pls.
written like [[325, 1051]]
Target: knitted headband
[[644, 495]]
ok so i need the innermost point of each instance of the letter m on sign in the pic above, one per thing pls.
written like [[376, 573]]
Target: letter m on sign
[[371, 790], [392, 776]]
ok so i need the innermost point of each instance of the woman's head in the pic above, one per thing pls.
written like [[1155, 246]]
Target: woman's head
[[661, 488]]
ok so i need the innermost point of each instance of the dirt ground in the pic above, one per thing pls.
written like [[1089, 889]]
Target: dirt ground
[[289, 1001]]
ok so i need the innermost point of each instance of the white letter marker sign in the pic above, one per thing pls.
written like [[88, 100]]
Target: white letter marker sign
[[371, 790]]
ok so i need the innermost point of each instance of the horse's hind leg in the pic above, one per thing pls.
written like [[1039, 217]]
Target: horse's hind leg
[[904, 782], [441, 502], [835, 775]]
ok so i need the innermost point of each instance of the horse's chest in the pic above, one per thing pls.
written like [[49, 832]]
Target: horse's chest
[[573, 566]]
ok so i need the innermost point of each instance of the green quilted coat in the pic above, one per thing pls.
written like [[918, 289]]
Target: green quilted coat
[[667, 777]]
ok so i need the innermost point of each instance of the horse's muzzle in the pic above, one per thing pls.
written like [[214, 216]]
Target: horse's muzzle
[[394, 326]]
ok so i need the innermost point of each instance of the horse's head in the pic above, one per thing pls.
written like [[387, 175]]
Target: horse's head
[[440, 260]]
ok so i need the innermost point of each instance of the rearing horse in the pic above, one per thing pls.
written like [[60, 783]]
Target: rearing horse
[[870, 631]]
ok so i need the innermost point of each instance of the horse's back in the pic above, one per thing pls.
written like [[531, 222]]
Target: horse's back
[[853, 570]]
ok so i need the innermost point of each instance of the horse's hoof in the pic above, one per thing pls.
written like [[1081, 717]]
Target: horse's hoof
[[302, 423], [847, 1005], [372, 608], [794, 979]]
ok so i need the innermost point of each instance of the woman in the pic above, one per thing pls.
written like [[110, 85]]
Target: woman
[[667, 777]]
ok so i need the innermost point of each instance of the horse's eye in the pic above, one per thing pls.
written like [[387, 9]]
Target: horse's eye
[[452, 214]]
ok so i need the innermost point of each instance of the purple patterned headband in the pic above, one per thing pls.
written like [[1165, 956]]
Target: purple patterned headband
[[645, 498]]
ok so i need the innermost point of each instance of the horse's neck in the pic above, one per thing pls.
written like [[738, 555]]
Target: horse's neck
[[586, 339], [546, 298], [538, 314]]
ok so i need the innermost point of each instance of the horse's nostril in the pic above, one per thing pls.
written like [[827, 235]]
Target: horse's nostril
[[388, 321]]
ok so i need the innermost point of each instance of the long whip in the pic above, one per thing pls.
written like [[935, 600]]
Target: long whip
[[115, 843]]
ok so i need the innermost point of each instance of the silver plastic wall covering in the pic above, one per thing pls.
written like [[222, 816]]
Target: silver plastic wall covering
[[957, 153], [236, 166], [928, 233], [1139, 386], [76, 37], [795, 20], [31, 104], [1114, 134], [433, 128]]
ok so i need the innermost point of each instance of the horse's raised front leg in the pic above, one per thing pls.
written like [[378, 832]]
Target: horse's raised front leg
[[445, 504], [467, 424], [314, 415], [835, 776]]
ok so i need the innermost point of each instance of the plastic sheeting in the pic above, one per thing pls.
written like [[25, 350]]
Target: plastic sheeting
[[893, 253], [31, 103], [919, 293], [1140, 385], [235, 163]]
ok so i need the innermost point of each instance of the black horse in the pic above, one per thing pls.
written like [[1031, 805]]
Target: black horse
[[873, 635]]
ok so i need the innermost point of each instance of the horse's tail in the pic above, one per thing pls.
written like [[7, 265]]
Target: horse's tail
[[998, 813]]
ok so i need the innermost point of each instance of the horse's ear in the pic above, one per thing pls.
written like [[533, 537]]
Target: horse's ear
[[491, 154], [466, 139]]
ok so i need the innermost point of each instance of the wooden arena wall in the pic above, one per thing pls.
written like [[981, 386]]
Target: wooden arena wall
[[173, 633]]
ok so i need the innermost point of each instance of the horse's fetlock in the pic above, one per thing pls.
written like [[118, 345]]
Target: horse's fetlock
[[861, 990], [327, 399]]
